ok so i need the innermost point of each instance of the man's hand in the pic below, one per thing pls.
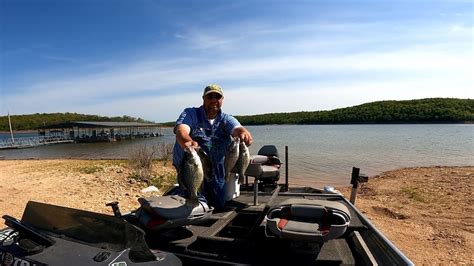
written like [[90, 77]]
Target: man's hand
[[183, 138], [243, 134], [191, 143]]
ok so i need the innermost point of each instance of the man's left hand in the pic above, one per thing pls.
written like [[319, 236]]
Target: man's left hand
[[244, 135]]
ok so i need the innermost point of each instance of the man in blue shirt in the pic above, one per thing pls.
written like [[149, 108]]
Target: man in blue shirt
[[210, 129]]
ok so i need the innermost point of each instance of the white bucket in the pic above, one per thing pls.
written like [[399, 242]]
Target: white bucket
[[232, 188]]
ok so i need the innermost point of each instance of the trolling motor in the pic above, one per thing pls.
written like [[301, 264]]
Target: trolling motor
[[355, 180]]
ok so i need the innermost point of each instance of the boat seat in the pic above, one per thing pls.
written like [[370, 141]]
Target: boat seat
[[269, 150], [270, 165], [156, 213], [307, 220], [269, 170]]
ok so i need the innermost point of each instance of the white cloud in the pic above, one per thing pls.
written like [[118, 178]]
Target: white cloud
[[249, 99]]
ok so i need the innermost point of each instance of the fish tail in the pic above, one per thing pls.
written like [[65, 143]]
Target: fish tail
[[193, 200], [241, 178]]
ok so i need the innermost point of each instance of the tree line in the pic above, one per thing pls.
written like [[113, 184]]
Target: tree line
[[431, 110], [33, 121]]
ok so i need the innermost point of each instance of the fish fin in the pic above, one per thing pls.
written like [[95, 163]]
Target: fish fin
[[201, 151]]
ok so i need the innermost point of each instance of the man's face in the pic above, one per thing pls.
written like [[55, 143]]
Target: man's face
[[213, 102]]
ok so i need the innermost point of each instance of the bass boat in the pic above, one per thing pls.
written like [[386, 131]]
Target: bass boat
[[263, 223]]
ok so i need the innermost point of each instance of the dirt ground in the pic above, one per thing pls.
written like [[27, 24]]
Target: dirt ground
[[427, 212]]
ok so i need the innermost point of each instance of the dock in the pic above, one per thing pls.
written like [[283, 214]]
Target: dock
[[20, 143], [92, 131], [84, 132]]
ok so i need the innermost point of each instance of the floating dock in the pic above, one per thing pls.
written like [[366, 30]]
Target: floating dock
[[20, 143], [84, 131]]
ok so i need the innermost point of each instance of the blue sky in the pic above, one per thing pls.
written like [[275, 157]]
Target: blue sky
[[151, 59]]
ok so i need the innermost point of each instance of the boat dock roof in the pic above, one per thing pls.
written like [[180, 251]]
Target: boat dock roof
[[98, 124]]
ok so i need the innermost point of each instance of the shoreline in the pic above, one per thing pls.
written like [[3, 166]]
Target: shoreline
[[427, 212], [318, 124]]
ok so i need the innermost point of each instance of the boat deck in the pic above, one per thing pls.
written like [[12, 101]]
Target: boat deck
[[236, 236]]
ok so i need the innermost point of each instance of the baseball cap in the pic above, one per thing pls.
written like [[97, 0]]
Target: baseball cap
[[212, 88]]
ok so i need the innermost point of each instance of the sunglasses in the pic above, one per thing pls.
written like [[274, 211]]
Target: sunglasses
[[211, 96]]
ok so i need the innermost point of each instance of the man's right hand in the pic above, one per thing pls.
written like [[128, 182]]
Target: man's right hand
[[191, 143], [182, 137]]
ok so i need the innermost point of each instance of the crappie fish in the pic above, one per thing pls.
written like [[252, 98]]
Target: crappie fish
[[243, 161], [231, 157], [206, 165], [191, 173]]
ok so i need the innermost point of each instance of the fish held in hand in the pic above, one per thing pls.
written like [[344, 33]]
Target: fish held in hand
[[207, 166], [231, 157], [191, 174], [243, 161]]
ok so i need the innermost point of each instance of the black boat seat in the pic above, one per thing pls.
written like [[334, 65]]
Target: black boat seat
[[269, 150], [307, 220], [156, 213]]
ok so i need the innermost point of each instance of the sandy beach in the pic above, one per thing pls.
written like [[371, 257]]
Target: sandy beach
[[426, 211]]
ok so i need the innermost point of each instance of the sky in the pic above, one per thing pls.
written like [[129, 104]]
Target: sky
[[152, 58]]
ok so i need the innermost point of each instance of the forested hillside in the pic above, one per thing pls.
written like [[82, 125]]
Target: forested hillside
[[26, 122], [433, 110]]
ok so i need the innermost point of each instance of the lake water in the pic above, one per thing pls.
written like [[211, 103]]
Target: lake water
[[318, 154]]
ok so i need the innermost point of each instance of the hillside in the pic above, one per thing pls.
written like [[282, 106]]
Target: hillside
[[432, 110]]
